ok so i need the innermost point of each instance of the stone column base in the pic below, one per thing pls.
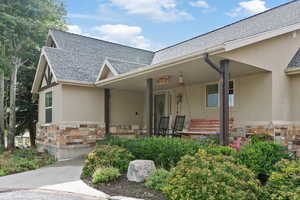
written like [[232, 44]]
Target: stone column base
[[68, 140]]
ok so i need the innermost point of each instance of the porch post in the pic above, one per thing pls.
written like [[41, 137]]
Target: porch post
[[107, 110], [224, 102], [149, 107]]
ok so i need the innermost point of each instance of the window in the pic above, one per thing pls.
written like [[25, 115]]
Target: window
[[231, 93], [212, 95], [48, 107]]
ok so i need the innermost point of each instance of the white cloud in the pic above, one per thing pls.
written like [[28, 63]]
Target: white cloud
[[248, 8], [199, 3], [124, 34], [74, 29], [158, 10]]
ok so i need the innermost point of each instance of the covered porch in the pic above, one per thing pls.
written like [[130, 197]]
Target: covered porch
[[191, 88]]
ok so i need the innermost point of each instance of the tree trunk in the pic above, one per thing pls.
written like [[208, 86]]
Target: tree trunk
[[32, 132], [2, 145], [12, 110]]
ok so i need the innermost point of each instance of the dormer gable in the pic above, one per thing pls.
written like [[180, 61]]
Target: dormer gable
[[106, 71]]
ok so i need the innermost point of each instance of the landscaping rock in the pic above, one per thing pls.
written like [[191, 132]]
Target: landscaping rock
[[139, 170], [123, 198]]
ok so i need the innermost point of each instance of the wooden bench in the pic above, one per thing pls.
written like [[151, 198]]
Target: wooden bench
[[205, 127]]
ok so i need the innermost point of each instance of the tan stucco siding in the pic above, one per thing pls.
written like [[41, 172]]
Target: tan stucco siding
[[295, 97], [82, 104], [252, 100], [56, 104], [273, 54], [126, 107]]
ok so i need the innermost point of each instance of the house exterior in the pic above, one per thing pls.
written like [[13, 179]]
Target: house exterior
[[89, 87]]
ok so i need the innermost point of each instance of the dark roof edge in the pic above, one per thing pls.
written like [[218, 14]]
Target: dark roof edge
[[102, 40], [226, 26]]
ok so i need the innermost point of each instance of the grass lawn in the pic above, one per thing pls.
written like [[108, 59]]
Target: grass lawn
[[22, 160]]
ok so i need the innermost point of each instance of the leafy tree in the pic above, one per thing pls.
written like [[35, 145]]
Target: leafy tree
[[23, 26], [3, 68]]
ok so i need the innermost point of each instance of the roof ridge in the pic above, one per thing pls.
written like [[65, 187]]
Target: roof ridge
[[103, 40], [120, 60], [222, 27]]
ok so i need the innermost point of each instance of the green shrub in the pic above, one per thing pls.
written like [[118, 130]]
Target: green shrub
[[207, 177], [165, 152], [261, 157], [284, 183], [107, 156], [23, 160], [220, 150], [105, 175], [262, 137], [211, 140], [158, 179]]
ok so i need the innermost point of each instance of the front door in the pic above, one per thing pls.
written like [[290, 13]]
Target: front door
[[161, 107]]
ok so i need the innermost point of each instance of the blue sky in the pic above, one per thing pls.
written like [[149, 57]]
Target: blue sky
[[155, 24]]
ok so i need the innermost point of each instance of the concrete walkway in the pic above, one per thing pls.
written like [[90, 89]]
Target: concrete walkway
[[62, 177]]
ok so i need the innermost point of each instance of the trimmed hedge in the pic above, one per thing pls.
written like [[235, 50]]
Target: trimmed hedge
[[165, 152], [284, 183], [106, 156], [204, 176]]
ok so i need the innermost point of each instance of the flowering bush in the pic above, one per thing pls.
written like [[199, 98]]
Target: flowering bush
[[284, 183], [107, 156], [158, 179], [105, 175], [205, 176]]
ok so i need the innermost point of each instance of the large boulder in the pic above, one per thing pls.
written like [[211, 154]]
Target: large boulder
[[139, 170]]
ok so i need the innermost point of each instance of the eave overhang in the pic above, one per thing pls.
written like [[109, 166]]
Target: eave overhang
[[160, 66], [292, 70]]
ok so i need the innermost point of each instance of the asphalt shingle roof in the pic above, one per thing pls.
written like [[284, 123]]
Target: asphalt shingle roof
[[80, 58], [75, 43], [295, 62], [275, 18], [123, 67], [74, 66]]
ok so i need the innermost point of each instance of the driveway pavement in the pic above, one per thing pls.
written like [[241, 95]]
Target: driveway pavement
[[60, 181]]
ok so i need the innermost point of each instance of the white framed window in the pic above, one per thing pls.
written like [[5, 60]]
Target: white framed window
[[212, 95], [48, 107]]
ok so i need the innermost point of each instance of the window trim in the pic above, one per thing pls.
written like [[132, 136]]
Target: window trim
[[218, 106], [48, 107]]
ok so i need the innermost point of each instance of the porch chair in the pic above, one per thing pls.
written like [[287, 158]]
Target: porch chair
[[163, 126], [237, 145], [178, 125]]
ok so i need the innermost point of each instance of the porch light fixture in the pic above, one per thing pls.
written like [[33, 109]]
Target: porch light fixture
[[180, 80], [163, 80]]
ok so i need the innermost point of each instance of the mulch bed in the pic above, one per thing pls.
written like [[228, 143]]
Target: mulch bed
[[123, 187]]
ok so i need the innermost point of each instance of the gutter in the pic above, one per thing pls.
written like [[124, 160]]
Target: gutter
[[163, 65], [292, 70]]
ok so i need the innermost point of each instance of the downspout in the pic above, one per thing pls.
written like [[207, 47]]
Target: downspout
[[223, 70]]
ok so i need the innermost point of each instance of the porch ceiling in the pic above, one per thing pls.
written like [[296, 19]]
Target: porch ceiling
[[193, 71]]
